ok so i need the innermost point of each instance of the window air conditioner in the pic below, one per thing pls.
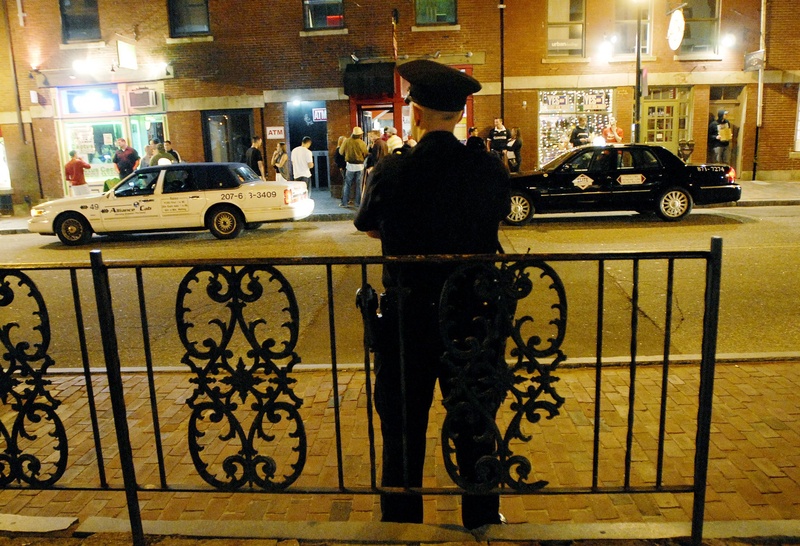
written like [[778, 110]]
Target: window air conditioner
[[142, 98]]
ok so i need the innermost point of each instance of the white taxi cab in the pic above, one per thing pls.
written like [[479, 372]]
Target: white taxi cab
[[221, 197]]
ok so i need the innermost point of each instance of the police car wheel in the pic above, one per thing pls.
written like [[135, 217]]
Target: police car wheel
[[225, 222], [73, 229], [521, 209], [674, 204]]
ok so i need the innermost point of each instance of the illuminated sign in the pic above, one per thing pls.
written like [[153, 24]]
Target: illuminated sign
[[319, 114], [275, 133], [91, 101]]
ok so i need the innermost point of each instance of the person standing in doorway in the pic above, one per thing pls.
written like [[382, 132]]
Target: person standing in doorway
[[126, 159], [73, 171], [303, 162], [408, 205], [254, 159], [719, 137], [355, 151]]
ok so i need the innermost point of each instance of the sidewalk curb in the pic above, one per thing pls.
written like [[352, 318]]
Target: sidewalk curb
[[404, 533]]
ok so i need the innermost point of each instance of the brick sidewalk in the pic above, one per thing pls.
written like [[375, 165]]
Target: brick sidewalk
[[754, 470]]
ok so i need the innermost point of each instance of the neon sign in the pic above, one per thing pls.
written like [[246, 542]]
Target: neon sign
[[92, 101]]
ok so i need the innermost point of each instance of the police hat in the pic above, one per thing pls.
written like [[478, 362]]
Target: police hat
[[438, 86]]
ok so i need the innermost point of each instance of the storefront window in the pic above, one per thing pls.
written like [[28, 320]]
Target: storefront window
[[95, 141], [558, 116]]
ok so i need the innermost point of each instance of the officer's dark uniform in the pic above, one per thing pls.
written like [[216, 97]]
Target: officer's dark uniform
[[439, 198]]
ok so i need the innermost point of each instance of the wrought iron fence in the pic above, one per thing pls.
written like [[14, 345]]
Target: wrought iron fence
[[232, 337]]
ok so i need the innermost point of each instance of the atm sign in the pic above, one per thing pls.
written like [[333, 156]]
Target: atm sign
[[319, 114]]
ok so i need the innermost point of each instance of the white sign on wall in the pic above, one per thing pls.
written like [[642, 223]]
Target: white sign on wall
[[275, 133]]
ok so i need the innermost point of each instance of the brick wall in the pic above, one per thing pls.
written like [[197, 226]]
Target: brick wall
[[257, 46]]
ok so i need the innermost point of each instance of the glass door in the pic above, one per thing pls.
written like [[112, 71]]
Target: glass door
[[661, 126]]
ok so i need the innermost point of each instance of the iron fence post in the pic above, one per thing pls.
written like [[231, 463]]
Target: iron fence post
[[105, 313], [707, 366]]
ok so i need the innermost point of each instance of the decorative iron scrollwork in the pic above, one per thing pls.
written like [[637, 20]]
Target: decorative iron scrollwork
[[35, 450], [478, 319], [243, 354]]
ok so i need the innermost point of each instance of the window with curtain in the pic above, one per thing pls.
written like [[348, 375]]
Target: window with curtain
[[322, 14], [625, 18], [188, 18], [436, 12], [702, 27], [80, 21], [565, 28]]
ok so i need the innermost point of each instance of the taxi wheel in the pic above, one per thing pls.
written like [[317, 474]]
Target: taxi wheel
[[521, 209], [674, 204], [73, 229], [225, 222]]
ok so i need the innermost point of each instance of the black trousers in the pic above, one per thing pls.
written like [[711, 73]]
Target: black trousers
[[423, 367]]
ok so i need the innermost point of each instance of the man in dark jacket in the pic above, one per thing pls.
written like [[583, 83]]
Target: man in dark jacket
[[719, 137]]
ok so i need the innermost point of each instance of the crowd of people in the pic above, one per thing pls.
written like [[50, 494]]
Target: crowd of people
[[126, 159]]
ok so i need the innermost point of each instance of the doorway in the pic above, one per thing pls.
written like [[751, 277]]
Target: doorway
[[227, 134], [376, 116], [728, 97]]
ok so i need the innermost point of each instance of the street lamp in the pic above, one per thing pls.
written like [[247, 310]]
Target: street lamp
[[501, 6], [637, 105]]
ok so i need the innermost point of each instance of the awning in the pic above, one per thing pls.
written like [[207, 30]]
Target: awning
[[369, 79]]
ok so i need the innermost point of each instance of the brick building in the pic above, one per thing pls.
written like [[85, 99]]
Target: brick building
[[208, 74]]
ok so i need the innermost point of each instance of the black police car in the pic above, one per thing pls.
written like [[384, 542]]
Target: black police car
[[637, 177]]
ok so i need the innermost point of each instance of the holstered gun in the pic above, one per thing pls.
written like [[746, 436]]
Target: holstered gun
[[367, 302]]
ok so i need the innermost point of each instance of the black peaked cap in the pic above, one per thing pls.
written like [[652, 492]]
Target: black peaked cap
[[438, 86]]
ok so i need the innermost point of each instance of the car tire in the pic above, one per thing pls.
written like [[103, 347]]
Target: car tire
[[674, 204], [225, 222], [253, 225], [521, 209], [73, 229]]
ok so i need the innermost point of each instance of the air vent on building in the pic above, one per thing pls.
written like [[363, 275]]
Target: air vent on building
[[142, 98]]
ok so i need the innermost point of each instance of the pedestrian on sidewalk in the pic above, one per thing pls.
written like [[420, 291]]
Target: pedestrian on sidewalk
[[355, 151], [73, 171]]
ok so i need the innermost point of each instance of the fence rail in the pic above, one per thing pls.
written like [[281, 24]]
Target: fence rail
[[242, 415]]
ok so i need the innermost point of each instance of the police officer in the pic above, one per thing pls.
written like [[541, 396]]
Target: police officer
[[439, 197]]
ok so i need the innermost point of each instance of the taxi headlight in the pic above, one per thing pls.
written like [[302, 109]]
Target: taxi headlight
[[37, 212]]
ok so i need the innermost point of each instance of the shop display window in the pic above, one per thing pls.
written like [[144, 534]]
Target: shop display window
[[95, 142], [558, 116]]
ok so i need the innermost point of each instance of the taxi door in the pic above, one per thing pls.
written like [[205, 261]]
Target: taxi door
[[183, 201], [132, 204], [581, 183], [638, 175]]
